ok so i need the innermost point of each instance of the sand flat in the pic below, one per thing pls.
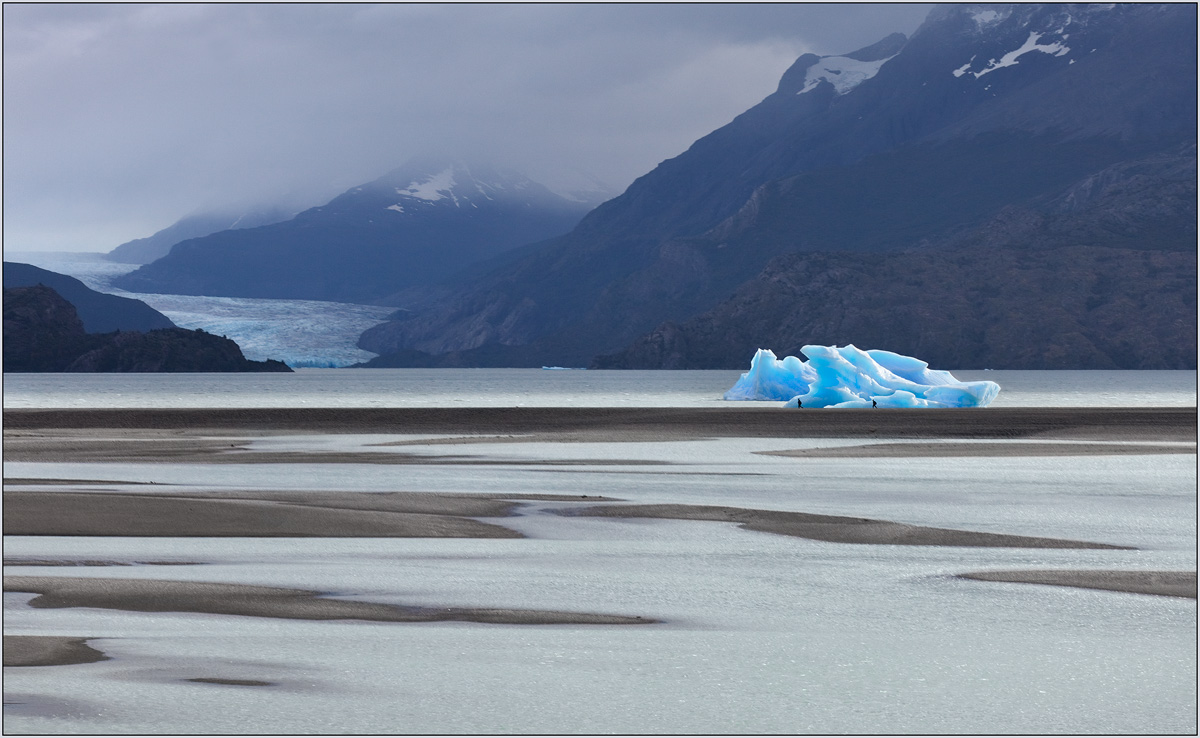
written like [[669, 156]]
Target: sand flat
[[155, 595], [834, 528], [150, 447], [729, 420], [29, 650], [20, 561], [260, 513], [1165, 583], [418, 515], [980, 450], [223, 436]]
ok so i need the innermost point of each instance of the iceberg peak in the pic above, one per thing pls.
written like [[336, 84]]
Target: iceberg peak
[[848, 376]]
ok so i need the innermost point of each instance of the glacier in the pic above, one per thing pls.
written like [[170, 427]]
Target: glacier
[[848, 376], [300, 333]]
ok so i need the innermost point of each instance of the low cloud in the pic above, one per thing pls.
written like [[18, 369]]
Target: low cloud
[[120, 119]]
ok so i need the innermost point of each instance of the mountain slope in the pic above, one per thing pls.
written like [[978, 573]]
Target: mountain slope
[[158, 245], [415, 226], [904, 143], [100, 312], [966, 309], [1102, 276]]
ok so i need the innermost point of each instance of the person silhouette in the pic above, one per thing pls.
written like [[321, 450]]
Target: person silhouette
[[873, 404]]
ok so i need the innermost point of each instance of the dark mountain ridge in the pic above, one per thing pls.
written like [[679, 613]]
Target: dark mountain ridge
[[895, 147], [43, 333], [416, 226], [99, 312], [1047, 288], [158, 245]]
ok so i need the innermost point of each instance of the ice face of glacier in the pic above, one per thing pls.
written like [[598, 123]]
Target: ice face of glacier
[[847, 376]]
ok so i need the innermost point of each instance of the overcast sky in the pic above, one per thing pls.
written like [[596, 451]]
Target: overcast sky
[[121, 119]]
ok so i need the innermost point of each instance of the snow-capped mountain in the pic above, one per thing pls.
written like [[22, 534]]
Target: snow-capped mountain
[[909, 143], [416, 226], [425, 184], [844, 73]]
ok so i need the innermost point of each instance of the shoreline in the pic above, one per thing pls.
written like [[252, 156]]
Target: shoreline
[[262, 514], [836, 528], [275, 514], [1161, 583], [1089, 423], [165, 595], [31, 650]]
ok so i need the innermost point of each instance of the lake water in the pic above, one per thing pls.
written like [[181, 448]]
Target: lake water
[[537, 388], [760, 633]]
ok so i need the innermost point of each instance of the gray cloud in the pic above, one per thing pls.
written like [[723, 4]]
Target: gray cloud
[[119, 119]]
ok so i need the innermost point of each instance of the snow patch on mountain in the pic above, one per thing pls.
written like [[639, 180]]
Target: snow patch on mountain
[[432, 189], [842, 72], [1057, 48], [1031, 44], [462, 184], [985, 17]]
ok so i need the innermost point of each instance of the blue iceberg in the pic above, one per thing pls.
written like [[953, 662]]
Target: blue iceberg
[[847, 376]]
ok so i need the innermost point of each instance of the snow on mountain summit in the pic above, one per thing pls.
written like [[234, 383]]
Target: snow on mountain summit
[[842, 72], [416, 226], [1026, 29], [420, 184], [432, 188], [986, 16]]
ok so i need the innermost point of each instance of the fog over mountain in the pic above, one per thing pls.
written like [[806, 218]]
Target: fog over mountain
[[120, 120], [158, 244], [418, 226]]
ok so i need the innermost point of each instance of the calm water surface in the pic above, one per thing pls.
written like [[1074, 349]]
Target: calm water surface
[[536, 388]]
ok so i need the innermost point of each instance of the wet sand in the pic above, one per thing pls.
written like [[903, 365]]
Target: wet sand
[[62, 507], [217, 514], [18, 561], [156, 595], [1166, 583], [834, 528], [640, 424], [223, 436], [48, 651], [150, 447], [46, 512], [980, 450]]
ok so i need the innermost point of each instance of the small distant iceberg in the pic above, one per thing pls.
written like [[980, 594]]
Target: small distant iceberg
[[847, 376]]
